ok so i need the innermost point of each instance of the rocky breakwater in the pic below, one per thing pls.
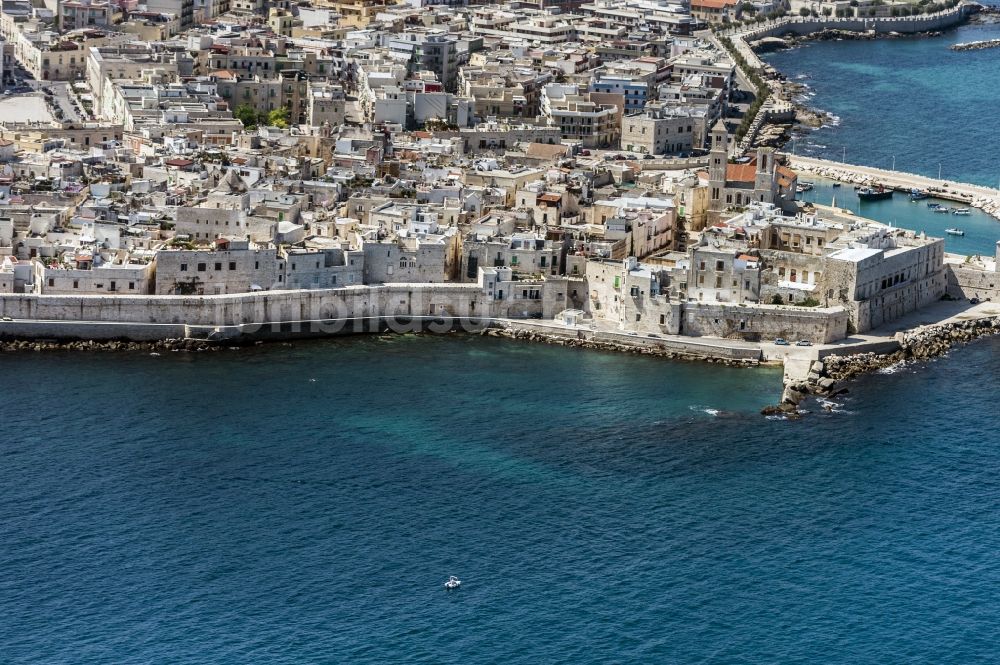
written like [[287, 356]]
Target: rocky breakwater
[[16, 345], [989, 205], [826, 376], [658, 350], [976, 46]]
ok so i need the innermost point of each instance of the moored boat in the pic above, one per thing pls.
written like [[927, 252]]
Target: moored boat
[[955, 232], [961, 211], [917, 195], [942, 210], [931, 204], [879, 193]]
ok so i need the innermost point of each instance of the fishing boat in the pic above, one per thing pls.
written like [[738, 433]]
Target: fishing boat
[[931, 204], [836, 184], [961, 211], [944, 210], [955, 232], [917, 195], [879, 193], [452, 583]]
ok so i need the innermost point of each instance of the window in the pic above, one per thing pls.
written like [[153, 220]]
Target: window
[[52, 282], [201, 267], [232, 265], [720, 266], [184, 267], [112, 286], [131, 286], [76, 283], [256, 265], [218, 265]]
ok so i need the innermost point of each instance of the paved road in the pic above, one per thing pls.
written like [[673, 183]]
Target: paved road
[[61, 98]]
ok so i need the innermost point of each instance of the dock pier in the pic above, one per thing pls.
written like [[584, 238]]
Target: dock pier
[[986, 199]]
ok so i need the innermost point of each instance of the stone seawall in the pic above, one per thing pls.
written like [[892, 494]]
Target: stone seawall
[[826, 376], [260, 308], [658, 348]]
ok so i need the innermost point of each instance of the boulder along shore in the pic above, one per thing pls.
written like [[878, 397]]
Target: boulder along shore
[[16, 345], [826, 376], [658, 351]]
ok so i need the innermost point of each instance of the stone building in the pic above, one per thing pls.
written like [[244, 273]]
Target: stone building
[[884, 275], [229, 267], [632, 296], [734, 186]]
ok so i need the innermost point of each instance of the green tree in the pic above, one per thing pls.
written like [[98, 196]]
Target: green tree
[[247, 115], [803, 11], [827, 11], [278, 118]]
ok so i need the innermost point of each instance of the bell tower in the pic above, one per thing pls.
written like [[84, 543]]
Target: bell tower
[[718, 158]]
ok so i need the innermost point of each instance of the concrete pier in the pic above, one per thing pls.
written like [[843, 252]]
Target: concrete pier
[[985, 198]]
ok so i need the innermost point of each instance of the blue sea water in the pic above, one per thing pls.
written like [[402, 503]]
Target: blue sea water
[[982, 231], [932, 109], [304, 504]]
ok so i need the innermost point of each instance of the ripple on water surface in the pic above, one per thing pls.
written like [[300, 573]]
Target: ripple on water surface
[[226, 508]]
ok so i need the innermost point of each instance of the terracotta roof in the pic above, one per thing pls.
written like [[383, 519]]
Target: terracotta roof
[[741, 172]]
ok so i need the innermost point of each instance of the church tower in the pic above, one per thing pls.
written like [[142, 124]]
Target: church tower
[[764, 178], [718, 158]]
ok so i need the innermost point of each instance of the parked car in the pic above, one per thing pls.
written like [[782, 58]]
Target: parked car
[[648, 157], [803, 342], [973, 301], [781, 341]]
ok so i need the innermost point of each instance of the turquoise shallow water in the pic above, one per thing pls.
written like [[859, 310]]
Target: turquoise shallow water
[[982, 231], [304, 504]]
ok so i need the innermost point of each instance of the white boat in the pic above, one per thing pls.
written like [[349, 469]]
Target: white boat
[[942, 210], [452, 583], [955, 232], [961, 211]]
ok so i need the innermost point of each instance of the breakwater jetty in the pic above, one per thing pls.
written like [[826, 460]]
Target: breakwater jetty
[[976, 46], [825, 375], [986, 199]]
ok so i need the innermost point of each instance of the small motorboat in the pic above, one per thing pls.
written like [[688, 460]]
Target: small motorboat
[[452, 583], [942, 210], [961, 211], [931, 204], [955, 232], [917, 195], [836, 184]]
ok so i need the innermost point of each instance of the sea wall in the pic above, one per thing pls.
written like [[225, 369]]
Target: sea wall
[[256, 309], [964, 282], [816, 324], [669, 347]]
